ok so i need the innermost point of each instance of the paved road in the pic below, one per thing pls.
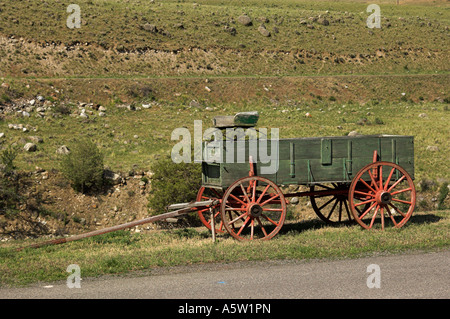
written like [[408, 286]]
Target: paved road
[[406, 276]]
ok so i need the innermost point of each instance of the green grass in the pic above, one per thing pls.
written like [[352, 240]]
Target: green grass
[[123, 252], [155, 125]]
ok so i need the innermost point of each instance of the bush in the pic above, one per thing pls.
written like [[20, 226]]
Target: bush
[[173, 183], [83, 166], [7, 157]]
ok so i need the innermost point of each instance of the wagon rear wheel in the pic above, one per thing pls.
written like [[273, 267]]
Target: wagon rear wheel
[[330, 203], [204, 194], [253, 208], [388, 190]]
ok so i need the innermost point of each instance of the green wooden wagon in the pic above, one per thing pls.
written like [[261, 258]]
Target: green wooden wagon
[[367, 179]]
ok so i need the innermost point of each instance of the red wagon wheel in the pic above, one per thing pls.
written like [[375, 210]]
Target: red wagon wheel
[[330, 203], [253, 208], [204, 194], [388, 190]]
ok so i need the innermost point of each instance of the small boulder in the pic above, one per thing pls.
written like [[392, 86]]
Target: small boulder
[[262, 29], [30, 147], [245, 20], [64, 150]]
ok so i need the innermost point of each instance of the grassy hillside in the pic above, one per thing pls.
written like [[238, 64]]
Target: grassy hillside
[[172, 38]]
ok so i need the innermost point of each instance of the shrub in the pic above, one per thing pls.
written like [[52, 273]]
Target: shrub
[[7, 157], [443, 193], [173, 183], [83, 166]]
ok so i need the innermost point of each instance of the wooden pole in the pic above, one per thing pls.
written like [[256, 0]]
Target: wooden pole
[[184, 209], [213, 224]]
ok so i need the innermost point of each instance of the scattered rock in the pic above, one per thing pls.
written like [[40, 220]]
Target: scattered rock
[[354, 133], [150, 27], [262, 29], [308, 115], [30, 147], [432, 148], [2, 135], [230, 30], [114, 178], [295, 200], [423, 115], [63, 150], [324, 22], [194, 103], [36, 139], [245, 20]]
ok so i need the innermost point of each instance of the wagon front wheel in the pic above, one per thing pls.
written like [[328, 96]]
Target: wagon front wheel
[[253, 208], [389, 192], [204, 194]]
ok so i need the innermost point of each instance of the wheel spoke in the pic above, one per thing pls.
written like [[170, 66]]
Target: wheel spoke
[[365, 202], [340, 210], [245, 193], [397, 210], [262, 194], [402, 201], [262, 227], [237, 218], [380, 175], [401, 191], [332, 209], [392, 216], [254, 191], [374, 215], [240, 201], [370, 187], [389, 178], [373, 180], [347, 210], [243, 226], [367, 210], [270, 199], [396, 183], [268, 219], [326, 204], [365, 194]]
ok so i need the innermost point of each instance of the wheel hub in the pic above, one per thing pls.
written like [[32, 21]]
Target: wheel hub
[[254, 210], [383, 198]]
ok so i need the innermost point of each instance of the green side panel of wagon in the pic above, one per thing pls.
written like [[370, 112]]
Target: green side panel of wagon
[[307, 161]]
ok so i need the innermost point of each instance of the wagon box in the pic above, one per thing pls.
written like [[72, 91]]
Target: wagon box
[[312, 160]]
